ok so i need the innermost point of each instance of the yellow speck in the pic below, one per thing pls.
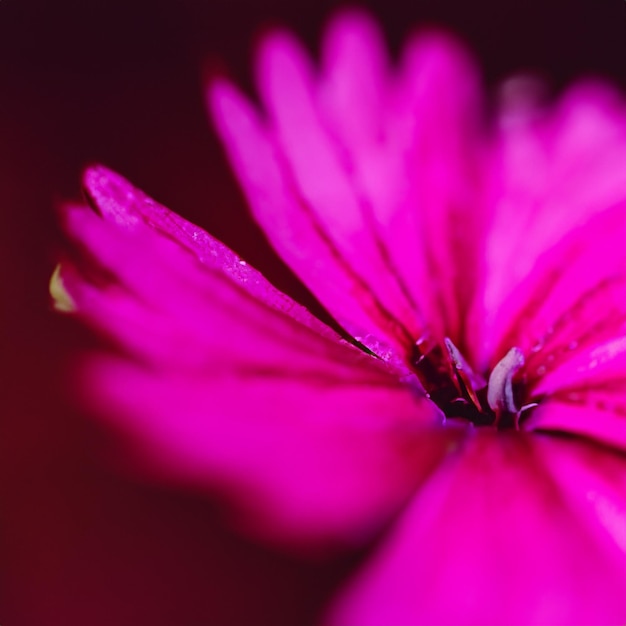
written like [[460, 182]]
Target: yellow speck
[[62, 301]]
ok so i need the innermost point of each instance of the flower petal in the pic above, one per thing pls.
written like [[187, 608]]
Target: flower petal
[[568, 317], [491, 540], [410, 142], [338, 200], [354, 81], [303, 459], [121, 202], [228, 389], [439, 109], [294, 232], [593, 480], [554, 177]]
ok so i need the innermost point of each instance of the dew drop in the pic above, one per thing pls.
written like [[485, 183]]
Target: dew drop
[[538, 346]]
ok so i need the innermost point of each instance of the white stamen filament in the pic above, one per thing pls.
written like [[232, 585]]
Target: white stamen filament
[[500, 386]]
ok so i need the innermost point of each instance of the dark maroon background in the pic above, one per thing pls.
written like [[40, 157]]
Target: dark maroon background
[[119, 82]]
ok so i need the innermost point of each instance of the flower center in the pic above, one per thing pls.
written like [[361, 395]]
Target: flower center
[[460, 392]]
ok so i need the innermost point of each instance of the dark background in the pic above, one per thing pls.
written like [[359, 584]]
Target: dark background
[[120, 82]]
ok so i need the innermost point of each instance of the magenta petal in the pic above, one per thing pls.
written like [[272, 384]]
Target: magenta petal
[[568, 318], [593, 479], [353, 91], [554, 172], [293, 228], [491, 539], [574, 295], [440, 107], [313, 438], [320, 169], [304, 458], [410, 220], [394, 142], [594, 416], [119, 201], [189, 309], [360, 201]]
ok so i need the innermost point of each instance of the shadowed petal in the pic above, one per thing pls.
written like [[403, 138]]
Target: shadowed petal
[[491, 539]]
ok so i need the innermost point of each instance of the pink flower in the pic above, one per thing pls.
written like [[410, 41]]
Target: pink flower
[[478, 417]]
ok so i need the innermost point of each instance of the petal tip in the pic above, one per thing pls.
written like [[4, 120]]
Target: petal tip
[[351, 19], [220, 95], [112, 196], [96, 178], [354, 33], [229, 109], [434, 46], [279, 56]]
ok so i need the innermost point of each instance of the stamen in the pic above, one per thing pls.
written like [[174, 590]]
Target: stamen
[[461, 393], [500, 394], [468, 380]]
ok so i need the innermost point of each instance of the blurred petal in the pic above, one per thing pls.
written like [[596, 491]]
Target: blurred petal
[[295, 233], [593, 481], [305, 459], [439, 107], [354, 82], [492, 539], [339, 200], [556, 172]]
